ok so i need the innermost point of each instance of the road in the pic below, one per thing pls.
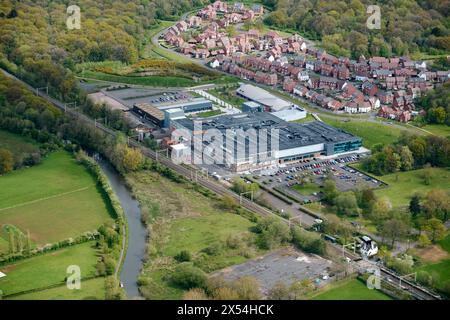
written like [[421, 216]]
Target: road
[[189, 173]]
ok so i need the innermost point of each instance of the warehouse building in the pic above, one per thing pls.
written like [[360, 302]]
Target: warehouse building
[[149, 112], [263, 97], [295, 141], [188, 106]]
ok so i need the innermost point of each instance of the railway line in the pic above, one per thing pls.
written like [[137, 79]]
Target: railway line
[[188, 172]]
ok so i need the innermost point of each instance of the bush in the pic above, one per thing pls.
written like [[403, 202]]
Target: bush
[[213, 249], [187, 276], [308, 241], [183, 256], [424, 278]]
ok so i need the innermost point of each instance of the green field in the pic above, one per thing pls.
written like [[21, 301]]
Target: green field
[[93, 289], [187, 221], [351, 290], [440, 271], [54, 200], [306, 189], [438, 129], [208, 114], [49, 269], [403, 185], [308, 118], [153, 81], [17, 145], [370, 132]]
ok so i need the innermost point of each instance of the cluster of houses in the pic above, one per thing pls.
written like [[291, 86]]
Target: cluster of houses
[[387, 86]]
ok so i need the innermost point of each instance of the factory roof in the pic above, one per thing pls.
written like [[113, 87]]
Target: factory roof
[[151, 110], [291, 135], [263, 97]]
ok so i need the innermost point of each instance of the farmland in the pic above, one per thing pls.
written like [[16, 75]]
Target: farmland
[[59, 191], [48, 269]]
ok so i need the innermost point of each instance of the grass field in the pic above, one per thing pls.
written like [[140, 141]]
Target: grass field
[[187, 221], [306, 189], [308, 118], [370, 132], [438, 129], [92, 289], [403, 185], [440, 271], [17, 145], [351, 290], [208, 114], [49, 269], [54, 200]]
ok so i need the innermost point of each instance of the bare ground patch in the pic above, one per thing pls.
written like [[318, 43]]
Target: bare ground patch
[[433, 254]]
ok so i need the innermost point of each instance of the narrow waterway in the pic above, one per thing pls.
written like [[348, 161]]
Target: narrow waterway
[[137, 233]]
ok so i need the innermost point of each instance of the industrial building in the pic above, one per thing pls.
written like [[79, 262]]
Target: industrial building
[[270, 102], [296, 141], [188, 106]]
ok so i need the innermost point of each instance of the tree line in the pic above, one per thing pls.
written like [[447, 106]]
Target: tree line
[[406, 26]]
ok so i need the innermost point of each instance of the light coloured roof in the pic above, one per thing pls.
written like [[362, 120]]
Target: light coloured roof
[[263, 97]]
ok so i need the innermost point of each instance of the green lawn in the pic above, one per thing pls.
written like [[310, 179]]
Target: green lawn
[[208, 114], [45, 270], [351, 290], [54, 200], [93, 289], [403, 185], [17, 144], [438, 129], [370, 132], [306, 189], [308, 118]]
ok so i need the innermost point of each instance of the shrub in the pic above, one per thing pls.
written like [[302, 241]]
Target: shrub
[[213, 249], [308, 241], [183, 256], [187, 276]]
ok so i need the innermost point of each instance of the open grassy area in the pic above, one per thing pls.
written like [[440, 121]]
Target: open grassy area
[[17, 145], [228, 94], [353, 289], [440, 271], [438, 129], [54, 200], [208, 114], [403, 185], [187, 220], [49, 269], [308, 118], [306, 189], [92, 289], [370, 132]]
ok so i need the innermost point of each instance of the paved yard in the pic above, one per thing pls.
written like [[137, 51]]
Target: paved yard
[[286, 265]]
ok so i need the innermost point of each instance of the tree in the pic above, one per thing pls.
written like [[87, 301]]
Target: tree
[[229, 202], [6, 161], [423, 240], [346, 204], [272, 232], [406, 158], [437, 204], [394, 229], [279, 291], [132, 159], [435, 229], [381, 209], [330, 191], [414, 206]]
